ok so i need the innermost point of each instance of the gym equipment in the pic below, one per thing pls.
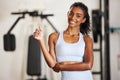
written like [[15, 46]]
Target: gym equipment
[[96, 23], [9, 42], [9, 39], [97, 32], [34, 56]]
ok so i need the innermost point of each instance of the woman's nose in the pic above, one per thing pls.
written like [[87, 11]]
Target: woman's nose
[[73, 17]]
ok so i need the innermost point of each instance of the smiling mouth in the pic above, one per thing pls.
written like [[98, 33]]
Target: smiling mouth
[[72, 22]]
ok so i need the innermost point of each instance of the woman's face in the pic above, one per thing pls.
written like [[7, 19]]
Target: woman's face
[[76, 17]]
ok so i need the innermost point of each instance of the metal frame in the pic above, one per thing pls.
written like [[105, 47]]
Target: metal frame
[[106, 69], [107, 43]]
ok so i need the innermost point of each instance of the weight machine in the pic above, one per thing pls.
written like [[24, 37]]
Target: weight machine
[[34, 56]]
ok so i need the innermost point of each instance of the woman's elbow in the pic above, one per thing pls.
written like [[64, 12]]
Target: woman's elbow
[[89, 66], [52, 65]]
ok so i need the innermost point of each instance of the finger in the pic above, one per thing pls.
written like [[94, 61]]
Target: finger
[[36, 30], [39, 28], [35, 34], [56, 70]]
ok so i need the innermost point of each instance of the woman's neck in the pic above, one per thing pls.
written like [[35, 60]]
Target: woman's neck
[[71, 31]]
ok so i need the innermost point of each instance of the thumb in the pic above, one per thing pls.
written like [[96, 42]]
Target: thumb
[[39, 28]]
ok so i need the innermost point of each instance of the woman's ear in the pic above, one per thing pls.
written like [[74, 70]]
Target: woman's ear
[[83, 20]]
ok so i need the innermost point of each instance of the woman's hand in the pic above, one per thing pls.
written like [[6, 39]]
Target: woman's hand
[[38, 34], [56, 68]]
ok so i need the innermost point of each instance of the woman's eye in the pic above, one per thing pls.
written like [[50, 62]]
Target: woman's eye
[[70, 13], [78, 16]]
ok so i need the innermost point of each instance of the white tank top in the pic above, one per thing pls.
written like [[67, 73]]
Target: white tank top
[[71, 52]]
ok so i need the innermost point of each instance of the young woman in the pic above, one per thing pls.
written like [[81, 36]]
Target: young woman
[[70, 51]]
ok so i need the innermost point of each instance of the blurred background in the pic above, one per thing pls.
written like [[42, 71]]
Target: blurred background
[[20, 56]]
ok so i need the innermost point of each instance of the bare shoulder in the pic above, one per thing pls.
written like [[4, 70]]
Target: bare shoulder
[[54, 36], [87, 39]]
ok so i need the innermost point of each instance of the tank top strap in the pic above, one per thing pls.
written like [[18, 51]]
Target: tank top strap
[[80, 36], [60, 37]]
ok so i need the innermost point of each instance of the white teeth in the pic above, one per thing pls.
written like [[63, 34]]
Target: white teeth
[[72, 22]]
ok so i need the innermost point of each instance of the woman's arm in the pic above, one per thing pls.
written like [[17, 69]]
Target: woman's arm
[[48, 55], [75, 66]]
